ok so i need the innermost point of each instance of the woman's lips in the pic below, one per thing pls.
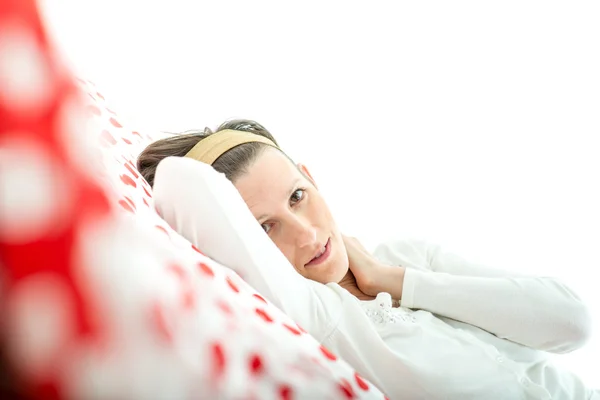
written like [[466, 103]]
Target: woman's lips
[[323, 257]]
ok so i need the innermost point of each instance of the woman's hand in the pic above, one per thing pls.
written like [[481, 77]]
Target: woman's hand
[[372, 277]]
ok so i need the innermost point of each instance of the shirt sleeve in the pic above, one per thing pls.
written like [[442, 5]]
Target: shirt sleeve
[[205, 208], [538, 312]]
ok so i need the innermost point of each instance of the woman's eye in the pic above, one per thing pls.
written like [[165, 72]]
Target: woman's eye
[[266, 227], [297, 196]]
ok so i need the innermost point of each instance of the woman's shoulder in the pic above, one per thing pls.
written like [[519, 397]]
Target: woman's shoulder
[[405, 244], [409, 250]]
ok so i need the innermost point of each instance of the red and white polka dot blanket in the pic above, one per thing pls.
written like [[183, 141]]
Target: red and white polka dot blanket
[[100, 298]]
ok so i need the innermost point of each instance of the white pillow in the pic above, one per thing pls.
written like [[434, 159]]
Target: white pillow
[[203, 206]]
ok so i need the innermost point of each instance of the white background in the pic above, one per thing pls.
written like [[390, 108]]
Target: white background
[[475, 125]]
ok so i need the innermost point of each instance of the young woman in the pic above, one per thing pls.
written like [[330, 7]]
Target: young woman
[[417, 321]]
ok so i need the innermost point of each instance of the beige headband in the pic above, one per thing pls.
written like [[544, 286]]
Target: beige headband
[[213, 146]]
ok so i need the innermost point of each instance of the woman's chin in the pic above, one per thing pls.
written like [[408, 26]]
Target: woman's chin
[[330, 275], [338, 271]]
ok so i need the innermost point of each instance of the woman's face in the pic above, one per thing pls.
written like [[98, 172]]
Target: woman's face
[[285, 201]]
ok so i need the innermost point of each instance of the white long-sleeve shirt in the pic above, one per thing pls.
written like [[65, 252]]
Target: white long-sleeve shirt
[[463, 331]]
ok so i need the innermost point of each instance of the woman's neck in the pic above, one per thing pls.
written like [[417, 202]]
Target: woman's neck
[[348, 282]]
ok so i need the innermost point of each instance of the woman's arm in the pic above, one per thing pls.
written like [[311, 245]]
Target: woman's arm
[[205, 208], [538, 312]]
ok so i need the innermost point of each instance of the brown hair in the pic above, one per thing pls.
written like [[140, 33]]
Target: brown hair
[[232, 163]]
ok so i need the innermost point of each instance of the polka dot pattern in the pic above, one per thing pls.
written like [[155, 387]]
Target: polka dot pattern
[[100, 297], [24, 76], [34, 196]]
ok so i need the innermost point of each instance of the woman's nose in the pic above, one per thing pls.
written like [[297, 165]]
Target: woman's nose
[[306, 234]]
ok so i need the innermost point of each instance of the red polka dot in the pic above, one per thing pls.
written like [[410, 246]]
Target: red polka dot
[[218, 356], [285, 392], [146, 203], [107, 138], [256, 365], [110, 111], [136, 133], [346, 389], [188, 297], [188, 300], [292, 329], [128, 199], [360, 382], [160, 324], [327, 353], [206, 269], [232, 285], [146, 191], [226, 308], [196, 250], [126, 140], [162, 229], [99, 95], [93, 110], [126, 206], [263, 314], [131, 169], [126, 179], [177, 270], [259, 297], [115, 123]]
